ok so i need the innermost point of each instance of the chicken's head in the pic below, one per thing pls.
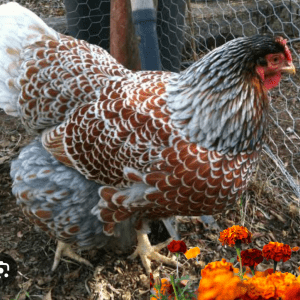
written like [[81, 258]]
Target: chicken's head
[[273, 65], [221, 101]]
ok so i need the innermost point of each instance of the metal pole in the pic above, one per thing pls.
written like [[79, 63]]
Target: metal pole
[[123, 42], [144, 19]]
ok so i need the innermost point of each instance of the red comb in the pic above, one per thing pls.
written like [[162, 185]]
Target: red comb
[[280, 40], [287, 51]]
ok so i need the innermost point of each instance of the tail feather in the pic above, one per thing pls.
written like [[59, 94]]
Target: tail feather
[[19, 28]]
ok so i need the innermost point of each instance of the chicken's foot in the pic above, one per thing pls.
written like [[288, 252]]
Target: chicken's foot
[[147, 252], [64, 249]]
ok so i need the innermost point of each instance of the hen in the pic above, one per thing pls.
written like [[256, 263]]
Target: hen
[[118, 148]]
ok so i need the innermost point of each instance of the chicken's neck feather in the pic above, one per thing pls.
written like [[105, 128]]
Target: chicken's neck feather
[[220, 102]]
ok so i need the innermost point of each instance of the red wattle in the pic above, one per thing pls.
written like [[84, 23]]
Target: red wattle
[[272, 81]]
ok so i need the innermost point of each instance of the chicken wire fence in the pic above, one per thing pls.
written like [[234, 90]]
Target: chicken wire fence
[[186, 31], [200, 26]]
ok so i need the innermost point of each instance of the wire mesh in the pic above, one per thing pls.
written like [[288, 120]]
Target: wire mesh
[[187, 30], [209, 24]]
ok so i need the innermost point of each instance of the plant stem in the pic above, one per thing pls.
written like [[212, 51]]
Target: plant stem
[[238, 251], [173, 284], [177, 264], [275, 266]]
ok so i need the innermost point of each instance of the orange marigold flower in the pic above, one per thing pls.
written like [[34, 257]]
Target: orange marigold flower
[[264, 273], [259, 288], [251, 257], [282, 282], [192, 253], [295, 249], [277, 251], [165, 289], [293, 292], [217, 265], [177, 246], [269, 286], [235, 233], [219, 282]]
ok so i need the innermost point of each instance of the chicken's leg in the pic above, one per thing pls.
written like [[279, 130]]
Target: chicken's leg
[[147, 252], [64, 249]]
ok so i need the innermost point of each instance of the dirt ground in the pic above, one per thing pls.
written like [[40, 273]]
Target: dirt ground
[[269, 209]]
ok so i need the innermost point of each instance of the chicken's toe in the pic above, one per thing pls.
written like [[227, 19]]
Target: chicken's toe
[[64, 249], [147, 252]]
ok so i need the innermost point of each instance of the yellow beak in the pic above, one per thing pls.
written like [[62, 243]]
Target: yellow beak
[[289, 68]]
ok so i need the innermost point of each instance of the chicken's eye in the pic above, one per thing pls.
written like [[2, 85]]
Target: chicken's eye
[[275, 60]]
